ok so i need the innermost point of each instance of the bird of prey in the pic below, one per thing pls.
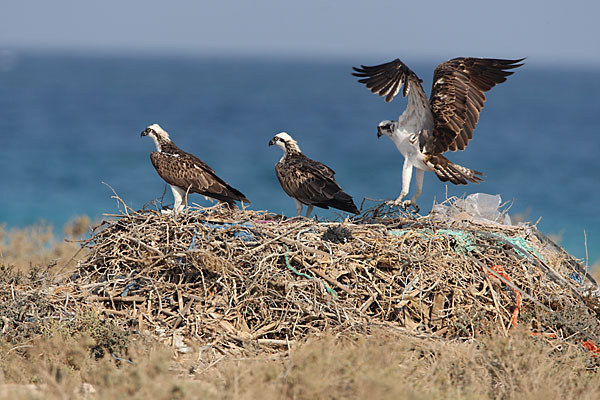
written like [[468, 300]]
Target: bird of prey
[[428, 128], [186, 173], [308, 182]]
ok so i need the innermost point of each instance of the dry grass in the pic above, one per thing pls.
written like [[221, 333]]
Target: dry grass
[[397, 366], [37, 245], [381, 365]]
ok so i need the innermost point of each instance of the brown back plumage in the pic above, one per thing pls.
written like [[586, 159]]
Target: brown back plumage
[[188, 172], [312, 183]]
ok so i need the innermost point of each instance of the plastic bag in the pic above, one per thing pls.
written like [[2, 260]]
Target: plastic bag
[[481, 206]]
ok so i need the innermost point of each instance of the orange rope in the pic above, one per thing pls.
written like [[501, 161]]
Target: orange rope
[[500, 271], [591, 346], [544, 334], [588, 344]]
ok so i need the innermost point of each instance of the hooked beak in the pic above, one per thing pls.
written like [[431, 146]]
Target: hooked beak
[[271, 142], [144, 133], [379, 134]]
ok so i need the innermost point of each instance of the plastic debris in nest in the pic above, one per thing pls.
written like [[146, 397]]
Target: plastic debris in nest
[[464, 241], [479, 207], [234, 227]]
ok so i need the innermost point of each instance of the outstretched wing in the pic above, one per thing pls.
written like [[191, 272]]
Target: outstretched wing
[[190, 173], [457, 97], [387, 79]]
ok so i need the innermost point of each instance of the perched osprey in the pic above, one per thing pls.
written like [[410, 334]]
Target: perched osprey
[[186, 173], [428, 128], [307, 181]]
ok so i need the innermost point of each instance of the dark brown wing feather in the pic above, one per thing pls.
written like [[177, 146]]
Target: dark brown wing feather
[[189, 172], [457, 97], [312, 183], [446, 170], [387, 79]]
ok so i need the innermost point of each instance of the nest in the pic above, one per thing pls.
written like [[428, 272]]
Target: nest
[[229, 278]]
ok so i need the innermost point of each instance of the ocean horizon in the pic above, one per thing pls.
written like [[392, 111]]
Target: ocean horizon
[[71, 128]]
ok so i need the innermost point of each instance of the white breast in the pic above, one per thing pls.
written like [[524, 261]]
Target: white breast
[[408, 144], [414, 119]]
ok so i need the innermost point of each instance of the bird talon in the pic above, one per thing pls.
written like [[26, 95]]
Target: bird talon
[[406, 204], [394, 203]]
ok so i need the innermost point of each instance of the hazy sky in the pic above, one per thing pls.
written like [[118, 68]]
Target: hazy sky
[[566, 32]]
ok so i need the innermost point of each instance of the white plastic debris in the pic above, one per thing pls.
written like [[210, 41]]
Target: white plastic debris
[[481, 207], [179, 344]]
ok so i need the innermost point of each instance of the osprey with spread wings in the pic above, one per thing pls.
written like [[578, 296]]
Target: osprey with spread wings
[[446, 121]]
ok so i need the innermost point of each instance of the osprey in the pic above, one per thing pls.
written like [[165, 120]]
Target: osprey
[[307, 181], [428, 128], [186, 173]]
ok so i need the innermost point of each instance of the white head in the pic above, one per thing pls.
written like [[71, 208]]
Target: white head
[[285, 142], [158, 134], [386, 128]]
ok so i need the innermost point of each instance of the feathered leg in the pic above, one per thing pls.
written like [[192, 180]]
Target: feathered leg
[[178, 195], [406, 177], [298, 207], [419, 174], [407, 170], [308, 211]]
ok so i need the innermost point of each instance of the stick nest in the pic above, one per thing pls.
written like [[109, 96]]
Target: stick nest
[[230, 279]]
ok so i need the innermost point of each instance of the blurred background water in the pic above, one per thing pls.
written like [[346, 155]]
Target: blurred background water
[[70, 121]]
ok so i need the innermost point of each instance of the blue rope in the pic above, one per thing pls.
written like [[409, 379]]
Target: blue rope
[[294, 270], [121, 359], [130, 285], [245, 236], [193, 240]]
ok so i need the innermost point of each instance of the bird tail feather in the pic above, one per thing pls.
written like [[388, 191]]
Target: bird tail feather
[[343, 201], [340, 200], [447, 171]]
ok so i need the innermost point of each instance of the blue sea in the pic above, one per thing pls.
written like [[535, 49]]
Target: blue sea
[[71, 122]]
